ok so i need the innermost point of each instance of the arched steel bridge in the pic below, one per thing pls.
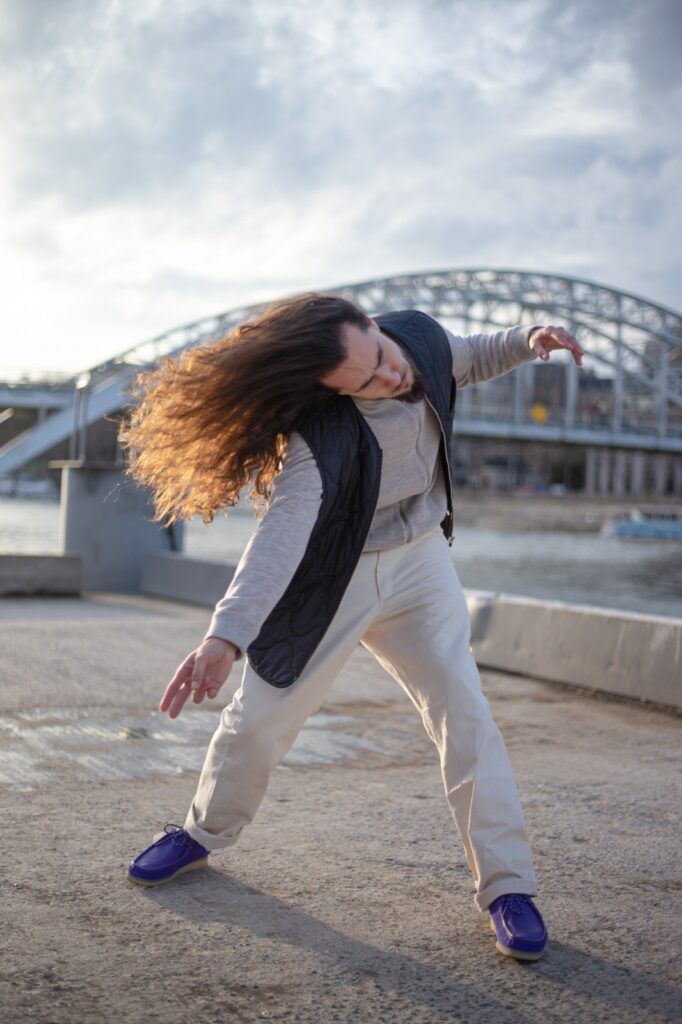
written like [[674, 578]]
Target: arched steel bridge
[[628, 394]]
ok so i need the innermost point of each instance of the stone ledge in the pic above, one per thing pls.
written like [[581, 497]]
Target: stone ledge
[[174, 575], [624, 653], [37, 575]]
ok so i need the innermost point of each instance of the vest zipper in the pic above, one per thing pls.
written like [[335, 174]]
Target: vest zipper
[[405, 522], [448, 514]]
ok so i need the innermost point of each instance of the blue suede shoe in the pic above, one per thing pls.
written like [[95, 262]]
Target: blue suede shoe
[[519, 927], [170, 856]]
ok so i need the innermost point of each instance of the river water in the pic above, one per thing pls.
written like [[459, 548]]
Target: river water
[[608, 572]]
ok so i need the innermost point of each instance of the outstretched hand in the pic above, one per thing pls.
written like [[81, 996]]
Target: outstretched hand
[[544, 340], [201, 674]]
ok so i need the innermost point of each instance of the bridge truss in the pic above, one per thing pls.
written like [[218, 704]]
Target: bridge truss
[[627, 395]]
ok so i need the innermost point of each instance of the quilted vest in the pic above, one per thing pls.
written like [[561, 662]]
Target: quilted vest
[[349, 459]]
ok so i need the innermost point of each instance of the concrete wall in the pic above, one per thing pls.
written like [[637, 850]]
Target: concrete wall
[[615, 652], [38, 575], [172, 574]]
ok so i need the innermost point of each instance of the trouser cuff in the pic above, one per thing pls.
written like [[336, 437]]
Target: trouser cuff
[[209, 840], [486, 896]]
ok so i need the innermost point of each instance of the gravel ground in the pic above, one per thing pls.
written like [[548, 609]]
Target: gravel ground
[[349, 897]]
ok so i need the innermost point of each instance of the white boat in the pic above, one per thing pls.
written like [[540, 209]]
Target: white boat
[[650, 525]]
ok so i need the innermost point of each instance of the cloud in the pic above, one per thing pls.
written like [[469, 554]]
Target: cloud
[[163, 161]]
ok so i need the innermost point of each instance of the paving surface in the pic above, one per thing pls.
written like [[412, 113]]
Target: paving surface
[[349, 897]]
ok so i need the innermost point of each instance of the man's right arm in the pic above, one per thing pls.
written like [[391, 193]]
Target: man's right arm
[[275, 550]]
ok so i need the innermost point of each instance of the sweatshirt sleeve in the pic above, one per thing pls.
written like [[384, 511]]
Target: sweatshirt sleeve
[[274, 551], [479, 357]]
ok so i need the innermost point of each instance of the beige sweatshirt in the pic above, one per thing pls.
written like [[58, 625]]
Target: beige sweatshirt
[[412, 495]]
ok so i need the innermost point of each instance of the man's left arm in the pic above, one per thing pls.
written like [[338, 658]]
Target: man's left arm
[[479, 357]]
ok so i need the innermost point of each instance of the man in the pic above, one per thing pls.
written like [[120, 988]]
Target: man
[[354, 548]]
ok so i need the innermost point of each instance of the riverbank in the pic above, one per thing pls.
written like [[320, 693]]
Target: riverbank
[[519, 511], [571, 513]]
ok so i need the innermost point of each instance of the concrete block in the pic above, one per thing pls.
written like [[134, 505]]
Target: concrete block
[[618, 652], [40, 575], [174, 575]]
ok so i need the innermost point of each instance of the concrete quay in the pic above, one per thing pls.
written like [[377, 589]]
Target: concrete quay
[[349, 897]]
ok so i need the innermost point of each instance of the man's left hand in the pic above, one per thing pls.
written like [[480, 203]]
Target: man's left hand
[[544, 340]]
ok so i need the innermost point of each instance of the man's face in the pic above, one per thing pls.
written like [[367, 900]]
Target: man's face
[[375, 367]]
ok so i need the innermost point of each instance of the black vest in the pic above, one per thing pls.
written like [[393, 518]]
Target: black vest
[[349, 459]]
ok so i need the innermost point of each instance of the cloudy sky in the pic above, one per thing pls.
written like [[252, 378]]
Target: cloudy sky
[[163, 160]]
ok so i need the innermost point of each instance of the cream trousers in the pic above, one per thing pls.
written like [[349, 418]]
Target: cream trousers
[[406, 606]]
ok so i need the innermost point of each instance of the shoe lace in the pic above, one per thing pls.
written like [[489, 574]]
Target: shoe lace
[[179, 836], [516, 903]]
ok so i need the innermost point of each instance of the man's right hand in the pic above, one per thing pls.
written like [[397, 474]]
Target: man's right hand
[[201, 674]]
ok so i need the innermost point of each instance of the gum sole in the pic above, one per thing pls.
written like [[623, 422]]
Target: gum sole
[[201, 863], [515, 954]]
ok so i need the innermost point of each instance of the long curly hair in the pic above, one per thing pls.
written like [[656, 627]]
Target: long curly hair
[[217, 417]]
